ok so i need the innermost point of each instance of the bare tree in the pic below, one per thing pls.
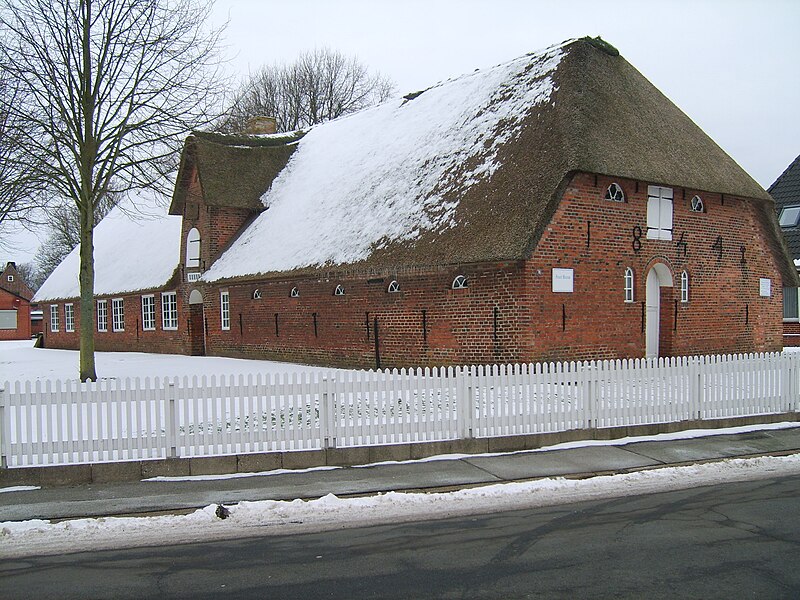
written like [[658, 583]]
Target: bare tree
[[19, 189], [111, 88], [317, 87], [31, 275]]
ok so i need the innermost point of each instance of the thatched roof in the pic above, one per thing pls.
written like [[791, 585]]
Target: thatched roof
[[234, 170], [356, 194], [786, 192]]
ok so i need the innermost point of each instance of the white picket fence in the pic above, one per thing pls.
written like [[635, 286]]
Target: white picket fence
[[112, 420]]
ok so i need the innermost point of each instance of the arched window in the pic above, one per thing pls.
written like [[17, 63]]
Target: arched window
[[697, 204], [339, 291], [393, 287], [460, 282], [193, 248], [684, 286], [628, 285], [295, 293], [615, 193]]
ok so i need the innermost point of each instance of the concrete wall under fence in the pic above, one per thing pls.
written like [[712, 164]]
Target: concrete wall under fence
[[114, 472]]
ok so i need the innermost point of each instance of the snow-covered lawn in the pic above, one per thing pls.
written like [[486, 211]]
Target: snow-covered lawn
[[264, 518], [19, 360]]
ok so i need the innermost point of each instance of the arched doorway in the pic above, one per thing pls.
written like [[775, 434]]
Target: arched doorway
[[659, 276], [197, 329]]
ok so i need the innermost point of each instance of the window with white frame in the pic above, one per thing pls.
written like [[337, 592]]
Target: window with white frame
[[339, 291], [54, 324], [459, 283], [394, 287], [791, 304], [698, 205], [628, 285], [117, 314], [102, 315], [615, 193], [193, 248], [169, 310], [10, 278], [659, 213], [148, 312], [225, 310], [684, 286], [69, 318]]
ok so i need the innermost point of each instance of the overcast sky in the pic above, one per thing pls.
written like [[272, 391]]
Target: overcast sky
[[731, 65]]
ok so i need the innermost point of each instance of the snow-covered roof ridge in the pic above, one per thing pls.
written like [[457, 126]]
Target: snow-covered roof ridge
[[389, 174], [136, 247]]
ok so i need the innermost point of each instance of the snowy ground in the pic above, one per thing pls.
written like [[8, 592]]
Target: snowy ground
[[21, 361], [265, 518]]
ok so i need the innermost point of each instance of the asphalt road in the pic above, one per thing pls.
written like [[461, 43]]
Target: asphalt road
[[738, 540]]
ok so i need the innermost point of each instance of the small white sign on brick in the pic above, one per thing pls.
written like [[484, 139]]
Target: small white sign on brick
[[765, 287], [563, 280]]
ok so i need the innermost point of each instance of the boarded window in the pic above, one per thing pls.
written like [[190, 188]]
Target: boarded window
[[659, 213], [8, 319]]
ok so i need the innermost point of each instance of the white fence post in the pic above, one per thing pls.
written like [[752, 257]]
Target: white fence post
[[327, 422], [171, 425], [5, 439], [466, 402]]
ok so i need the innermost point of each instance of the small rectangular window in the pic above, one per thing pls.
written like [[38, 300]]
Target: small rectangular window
[[791, 308], [117, 314], [169, 310], [225, 310], [659, 213], [54, 325], [789, 216], [148, 312], [69, 318], [102, 315]]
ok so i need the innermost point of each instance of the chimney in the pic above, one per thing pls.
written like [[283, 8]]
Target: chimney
[[261, 126]]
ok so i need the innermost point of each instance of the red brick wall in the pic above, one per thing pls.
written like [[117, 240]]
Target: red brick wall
[[133, 338], [725, 312], [459, 325], [11, 302], [791, 334]]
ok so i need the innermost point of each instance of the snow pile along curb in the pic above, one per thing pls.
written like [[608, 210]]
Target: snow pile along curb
[[252, 519]]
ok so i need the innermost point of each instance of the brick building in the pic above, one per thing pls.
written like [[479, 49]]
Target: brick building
[[15, 305], [554, 207], [786, 193]]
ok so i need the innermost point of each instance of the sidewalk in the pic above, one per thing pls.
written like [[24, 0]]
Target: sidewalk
[[185, 494]]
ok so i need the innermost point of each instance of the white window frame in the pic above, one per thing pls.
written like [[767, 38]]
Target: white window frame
[[393, 288], [54, 324], [117, 314], [193, 248], [148, 312], [789, 211], [10, 278], [629, 283], [225, 310], [169, 311], [102, 315], [684, 286], [69, 318], [460, 282], [339, 291], [615, 193], [659, 212]]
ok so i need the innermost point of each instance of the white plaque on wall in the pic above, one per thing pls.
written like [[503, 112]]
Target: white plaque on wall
[[765, 287], [563, 280]]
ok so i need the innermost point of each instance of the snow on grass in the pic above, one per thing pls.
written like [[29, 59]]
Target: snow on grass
[[391, 172], [21, 361], [265, 518]]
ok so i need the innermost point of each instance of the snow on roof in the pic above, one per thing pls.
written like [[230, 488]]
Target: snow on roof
[[388, 173], [136, 247]]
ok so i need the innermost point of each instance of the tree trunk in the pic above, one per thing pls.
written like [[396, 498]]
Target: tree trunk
[[87, 369], [86, 206]]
